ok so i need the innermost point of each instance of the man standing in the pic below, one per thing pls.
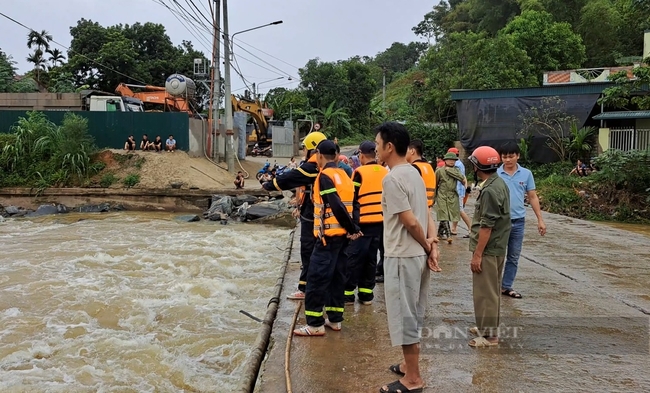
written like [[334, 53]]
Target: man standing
[[447, 199], [521, 183], [414, 157], [461, 188], [367, 213], [488, 242], [410, 252], [302, 178], [333, 193]]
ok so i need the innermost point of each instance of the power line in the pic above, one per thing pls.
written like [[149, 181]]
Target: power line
[[191, 4], [74, 51], [259, 58], [200, 40], [270, 55]]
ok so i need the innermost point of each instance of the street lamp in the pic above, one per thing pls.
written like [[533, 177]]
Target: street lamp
[[232, 39], [256, 86]]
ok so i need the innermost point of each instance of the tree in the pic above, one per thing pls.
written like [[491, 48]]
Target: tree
[[493, 15], [550, 45], [549, 119], [599, 22], [361, 87], [39, 62], [629, 93], [399, 58], [7, 72], [471, 61], [40, 40], [56, 57], [635, 18], [323, 83], [335, 121], [287, 103], [432, 24]]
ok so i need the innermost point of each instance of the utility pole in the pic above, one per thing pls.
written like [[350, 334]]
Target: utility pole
[[216, 81], [383, 94], [230, 153]]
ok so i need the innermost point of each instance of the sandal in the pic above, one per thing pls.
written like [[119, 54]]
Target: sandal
[[511, 293], [398, 387], [465, 236], [395, 368], [482, 342]]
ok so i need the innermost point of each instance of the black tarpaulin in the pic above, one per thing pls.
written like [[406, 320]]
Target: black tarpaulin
[[494, 121]]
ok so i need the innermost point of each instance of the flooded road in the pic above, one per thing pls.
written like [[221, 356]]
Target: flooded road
[[131, 302]]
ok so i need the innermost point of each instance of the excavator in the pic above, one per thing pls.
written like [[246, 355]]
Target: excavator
[[155, 98], [260, 114]]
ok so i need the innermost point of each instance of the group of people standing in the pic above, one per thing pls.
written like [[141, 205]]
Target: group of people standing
[[387, 203]]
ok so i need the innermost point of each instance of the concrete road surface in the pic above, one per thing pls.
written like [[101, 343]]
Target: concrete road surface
[[582, 325]]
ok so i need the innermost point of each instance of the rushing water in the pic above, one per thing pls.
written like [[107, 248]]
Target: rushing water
[[131, 302]]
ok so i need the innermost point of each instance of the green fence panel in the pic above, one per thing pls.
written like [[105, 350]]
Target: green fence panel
[[110, 129]]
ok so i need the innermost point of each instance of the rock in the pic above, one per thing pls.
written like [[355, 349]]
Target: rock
[[220, 206], [45, 210], [101, 208], [188, 218], [118, 208], [13, 210], [262, 209], [2, 219], [244, 198]]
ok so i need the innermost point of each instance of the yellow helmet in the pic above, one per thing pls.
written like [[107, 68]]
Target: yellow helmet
[[313, 139]]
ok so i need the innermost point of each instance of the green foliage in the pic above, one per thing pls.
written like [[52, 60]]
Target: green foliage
[[335, 121], [579, 143], [599, 24], [131, 180], [287, 103], [623, 94], [550, 45], [549, 119], [108, 180], [624, 170], [139, 162], [436, 139], [42, 154]]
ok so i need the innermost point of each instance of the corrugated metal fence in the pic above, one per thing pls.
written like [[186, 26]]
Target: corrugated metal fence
[[110, 129]]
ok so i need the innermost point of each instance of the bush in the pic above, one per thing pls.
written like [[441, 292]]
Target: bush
[[624, 170], [108, 180], [131, 180], [436, 139]]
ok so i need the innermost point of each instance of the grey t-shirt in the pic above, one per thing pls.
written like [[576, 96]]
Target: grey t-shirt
[[403, 189]]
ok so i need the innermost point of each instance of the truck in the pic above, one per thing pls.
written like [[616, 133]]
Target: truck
[[176, 96], [86, 100]]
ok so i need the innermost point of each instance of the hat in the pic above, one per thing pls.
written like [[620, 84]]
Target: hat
[[453, 150], [367, 147], [450, 156], [326, 147]]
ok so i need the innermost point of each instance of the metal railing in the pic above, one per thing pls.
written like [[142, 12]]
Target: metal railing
[[626, 139]]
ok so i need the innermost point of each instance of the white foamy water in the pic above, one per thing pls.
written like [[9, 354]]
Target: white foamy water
[[131, 302]]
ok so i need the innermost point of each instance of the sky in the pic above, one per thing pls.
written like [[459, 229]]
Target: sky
[[330, 30]]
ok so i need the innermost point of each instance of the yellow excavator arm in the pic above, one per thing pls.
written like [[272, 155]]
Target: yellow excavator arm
[[255, 109]]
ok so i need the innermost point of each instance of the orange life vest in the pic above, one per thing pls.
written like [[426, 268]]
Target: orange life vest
[[325, 223], [370, 190], [305, 191], [429, 177]]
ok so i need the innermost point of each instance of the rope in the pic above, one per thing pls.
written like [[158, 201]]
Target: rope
[[287, 350]]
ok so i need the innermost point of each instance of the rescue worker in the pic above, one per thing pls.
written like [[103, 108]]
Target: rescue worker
[[414, 157], [303, 178], [490, 232], [448, 206], [333, 193], [362, 253], [463, 194]]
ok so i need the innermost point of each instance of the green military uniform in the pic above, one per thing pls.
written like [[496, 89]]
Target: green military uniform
[[492, 210], [447, 199]]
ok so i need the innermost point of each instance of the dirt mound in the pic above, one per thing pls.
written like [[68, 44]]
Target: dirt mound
[[159, 170]]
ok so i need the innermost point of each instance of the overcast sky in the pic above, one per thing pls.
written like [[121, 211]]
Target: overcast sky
[[328, 29]]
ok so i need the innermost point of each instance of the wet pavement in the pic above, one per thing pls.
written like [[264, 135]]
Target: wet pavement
[[582, 324]]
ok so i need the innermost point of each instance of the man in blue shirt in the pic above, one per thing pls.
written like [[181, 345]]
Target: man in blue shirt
[[520, 182]]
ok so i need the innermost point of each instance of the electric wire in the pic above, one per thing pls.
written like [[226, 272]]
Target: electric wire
[[200, 39], [74, 51], [198, 11]]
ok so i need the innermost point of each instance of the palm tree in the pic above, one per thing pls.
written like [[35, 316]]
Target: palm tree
[[336, 120], [39, 62], [56, 57], [40, 40]]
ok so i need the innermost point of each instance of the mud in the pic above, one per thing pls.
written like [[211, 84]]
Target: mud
[[582, 324]]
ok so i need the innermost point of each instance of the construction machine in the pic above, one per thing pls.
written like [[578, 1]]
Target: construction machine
[[174, 97], [260, 114]]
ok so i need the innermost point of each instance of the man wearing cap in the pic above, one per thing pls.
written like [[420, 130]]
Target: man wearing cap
[[447, 200], [461, 188], [333, 194], [366, 212], [303, 178]]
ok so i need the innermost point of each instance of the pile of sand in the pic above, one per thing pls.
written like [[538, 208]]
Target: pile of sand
[[158, 170]]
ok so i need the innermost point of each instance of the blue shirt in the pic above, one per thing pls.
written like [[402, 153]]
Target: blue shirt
[[519, 184], [347, 168], [460, 188]]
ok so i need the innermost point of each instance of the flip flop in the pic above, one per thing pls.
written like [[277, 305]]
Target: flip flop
[[512, 293], [482, 342], [395, 368], [398, 387]]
